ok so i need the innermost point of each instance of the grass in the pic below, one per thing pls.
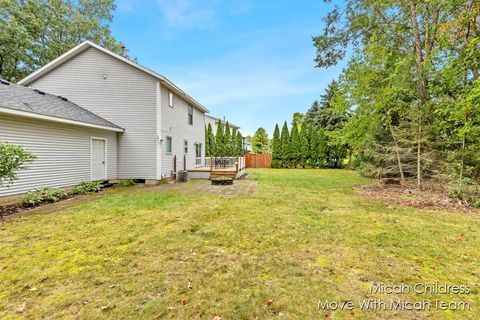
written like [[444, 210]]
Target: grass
[[302, 237]]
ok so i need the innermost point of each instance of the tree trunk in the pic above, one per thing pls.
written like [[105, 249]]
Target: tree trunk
[[422, 84], [399, 161]]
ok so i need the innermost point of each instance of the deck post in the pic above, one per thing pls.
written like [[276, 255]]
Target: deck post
[[238, 159], [184, 162], [175, 164]]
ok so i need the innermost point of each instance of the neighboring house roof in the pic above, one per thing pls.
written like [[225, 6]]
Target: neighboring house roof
[[87, 44], [22, 101], [223, 121]]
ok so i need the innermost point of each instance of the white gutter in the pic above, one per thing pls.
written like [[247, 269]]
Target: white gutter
[[55, 119]]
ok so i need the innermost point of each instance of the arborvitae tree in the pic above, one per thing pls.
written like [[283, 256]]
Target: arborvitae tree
[[239, 144], [313, 146], [227, 141], [285, 144], [322, 151], [233, 140], [295, 146], [210, 141], [207, 143], [276, 144], [219, 140], [304, 146]]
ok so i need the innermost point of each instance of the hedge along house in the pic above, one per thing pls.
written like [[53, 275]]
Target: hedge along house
[[160, 121], [71, 143]]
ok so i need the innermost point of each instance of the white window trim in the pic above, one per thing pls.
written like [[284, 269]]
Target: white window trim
[[171, 99], [91, 157], [189, 107], [185, 140], [171, 145], [195, 144]]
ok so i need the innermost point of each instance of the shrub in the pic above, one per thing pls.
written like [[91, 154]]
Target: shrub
[[87, 187], [467, 191], [475, 202], [126, 183], [38, 196], [12, 159]]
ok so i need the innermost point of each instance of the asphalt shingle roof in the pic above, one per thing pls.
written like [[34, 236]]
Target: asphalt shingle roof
[[17, 97]]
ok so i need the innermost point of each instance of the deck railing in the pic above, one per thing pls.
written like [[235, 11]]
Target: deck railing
[[237, 163]]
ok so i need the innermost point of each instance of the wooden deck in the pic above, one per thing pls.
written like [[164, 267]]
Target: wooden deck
[[230, 170]]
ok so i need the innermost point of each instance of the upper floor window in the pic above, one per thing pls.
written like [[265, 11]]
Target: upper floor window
[[190, 114], [170, 98]]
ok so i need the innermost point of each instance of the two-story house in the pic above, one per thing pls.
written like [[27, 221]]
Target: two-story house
[[152, 127]]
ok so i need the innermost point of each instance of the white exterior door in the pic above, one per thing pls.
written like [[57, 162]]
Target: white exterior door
[[99, 161]]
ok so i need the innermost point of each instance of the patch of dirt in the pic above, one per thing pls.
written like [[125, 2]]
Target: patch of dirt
[[15, 210], [432, 196]]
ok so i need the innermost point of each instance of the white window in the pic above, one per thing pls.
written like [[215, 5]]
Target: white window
[[190, 115], [198, 150], [185, 146], [170, 99], [168, 146]]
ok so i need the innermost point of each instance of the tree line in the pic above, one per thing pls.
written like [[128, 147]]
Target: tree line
[[310, 143], [226, 142], [409, 99]]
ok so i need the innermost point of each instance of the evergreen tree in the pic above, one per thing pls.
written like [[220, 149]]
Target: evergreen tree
[[295, 147], [261, 143], [233, 143], [227, 138], [285, 145], [212, 140], [239, 144], [304, 146], [219, 140], [311, 115], [276, 144], [322, 150], [207, 143], [314, 146]]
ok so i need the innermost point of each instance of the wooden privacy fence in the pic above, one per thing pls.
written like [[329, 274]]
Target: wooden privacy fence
[[255, 160]]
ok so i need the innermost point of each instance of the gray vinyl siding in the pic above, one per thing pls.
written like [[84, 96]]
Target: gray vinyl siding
[[175, 124], [119, 93], [62, 151]]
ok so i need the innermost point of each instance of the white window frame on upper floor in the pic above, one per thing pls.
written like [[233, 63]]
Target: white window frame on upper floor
[[189, 113], [171, 99]]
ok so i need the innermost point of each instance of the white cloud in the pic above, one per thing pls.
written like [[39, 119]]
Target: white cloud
[[125, 6], [188, 14]]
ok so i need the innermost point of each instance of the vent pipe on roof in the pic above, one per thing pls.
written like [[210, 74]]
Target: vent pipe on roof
[[124, 50]]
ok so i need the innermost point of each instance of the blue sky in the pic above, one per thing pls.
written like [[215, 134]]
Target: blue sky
[[248, 60]]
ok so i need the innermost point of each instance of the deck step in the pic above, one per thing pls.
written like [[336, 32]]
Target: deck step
[[218, 174]]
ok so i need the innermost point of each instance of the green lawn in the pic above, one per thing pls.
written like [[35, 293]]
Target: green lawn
[[153, 252]]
